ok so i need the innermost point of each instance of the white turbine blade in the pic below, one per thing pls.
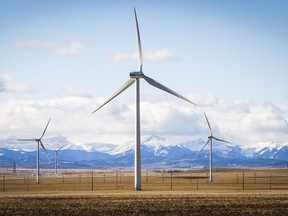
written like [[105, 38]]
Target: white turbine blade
[[164, 88], [203, 147], [61, 147], [119, 91], [140, 58], [221, 140], [46, 152], [208, 123], [26, 139], [45, 129]]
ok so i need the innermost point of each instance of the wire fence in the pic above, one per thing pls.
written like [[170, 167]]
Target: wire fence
[[151, 181]]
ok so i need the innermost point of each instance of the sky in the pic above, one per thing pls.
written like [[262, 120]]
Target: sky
[[62, 59]]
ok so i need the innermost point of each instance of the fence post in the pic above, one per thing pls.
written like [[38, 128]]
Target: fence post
[[270, 181], [3, 182], [254, 178], [197, 181], [117, 180], [92, 183], [27, 182], [243, 184], [237, 179], [104, 178], [171, 181], [162, 176], [146, 175]]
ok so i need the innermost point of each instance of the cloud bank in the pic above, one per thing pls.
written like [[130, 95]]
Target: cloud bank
[[7, 84], [114, 123]]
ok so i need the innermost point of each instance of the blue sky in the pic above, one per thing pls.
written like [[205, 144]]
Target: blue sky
[[61, 59]]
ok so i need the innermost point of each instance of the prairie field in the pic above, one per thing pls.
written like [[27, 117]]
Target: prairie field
[[232, 192]]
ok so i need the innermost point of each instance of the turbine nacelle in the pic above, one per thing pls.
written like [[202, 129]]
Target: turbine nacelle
[[136, 74]]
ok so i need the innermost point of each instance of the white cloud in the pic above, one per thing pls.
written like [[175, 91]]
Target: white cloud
[[150, 55], [73, 48], [235, 106], [204, 100], [69, 91], [114, 123], [209, 100], [267, 123], [7, 84], [159, 55]]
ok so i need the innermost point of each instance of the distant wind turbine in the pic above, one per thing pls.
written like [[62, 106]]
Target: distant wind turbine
[[209, 140], [56, 157], [39, 142], [135, 77]]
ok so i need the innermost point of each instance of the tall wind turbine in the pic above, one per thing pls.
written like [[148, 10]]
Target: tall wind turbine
[[135, 77], [209, 140], [56, 157], [39, 142]]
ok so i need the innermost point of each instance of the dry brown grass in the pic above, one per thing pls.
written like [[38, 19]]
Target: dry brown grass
[[224, 180], [145, 203], [189, 194]]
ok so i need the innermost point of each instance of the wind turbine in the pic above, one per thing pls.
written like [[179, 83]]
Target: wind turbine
[[56, 157], [39, 142], [209, 140], [135, 77]]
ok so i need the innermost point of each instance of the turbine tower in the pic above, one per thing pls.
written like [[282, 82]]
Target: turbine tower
[[135, 77], [39, 142], [56, 157], [209, 140]]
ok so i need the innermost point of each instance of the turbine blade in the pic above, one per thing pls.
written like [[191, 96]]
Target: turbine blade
[[61, 147], [208, 123], [119, 91], [47, 154], [221, 140], [164, 88], [140, 58], [203, 147], [26, 139], [45, 129]]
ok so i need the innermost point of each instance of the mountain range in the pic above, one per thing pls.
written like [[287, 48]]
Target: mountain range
[[157, 153]]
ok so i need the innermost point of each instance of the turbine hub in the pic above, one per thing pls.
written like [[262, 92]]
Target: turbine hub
[[136, 74]]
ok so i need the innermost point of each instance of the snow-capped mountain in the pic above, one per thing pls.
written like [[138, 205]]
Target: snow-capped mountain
[[53, 143], [267, 150], [162, 147], [157, 152]]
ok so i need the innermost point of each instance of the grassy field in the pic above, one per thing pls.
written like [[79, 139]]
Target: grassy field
[[225, 180], [257, 192]]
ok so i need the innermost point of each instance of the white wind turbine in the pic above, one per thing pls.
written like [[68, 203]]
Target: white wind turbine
[[135, 77], [209, 140], [56, 157], [39, 142]]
